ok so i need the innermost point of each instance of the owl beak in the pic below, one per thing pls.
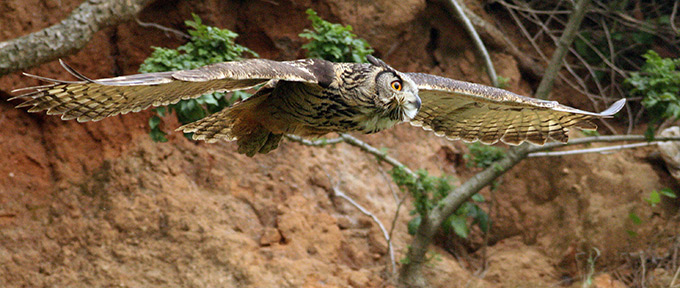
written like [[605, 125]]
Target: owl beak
[[417, 103]]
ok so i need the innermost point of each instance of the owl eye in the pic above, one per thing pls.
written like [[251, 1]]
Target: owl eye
[[396, 85]]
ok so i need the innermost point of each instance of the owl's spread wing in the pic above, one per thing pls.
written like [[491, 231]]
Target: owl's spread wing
[[93, 100], [473, 112]]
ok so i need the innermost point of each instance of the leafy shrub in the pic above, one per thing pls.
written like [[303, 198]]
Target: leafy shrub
[[483, 156], [207, 45], [334, 42], [427, 191], [658, 82]]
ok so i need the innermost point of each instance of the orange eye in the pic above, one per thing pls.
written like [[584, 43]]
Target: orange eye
[[396, 85]]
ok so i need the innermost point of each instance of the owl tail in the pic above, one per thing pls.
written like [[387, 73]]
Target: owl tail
[[237, 123]]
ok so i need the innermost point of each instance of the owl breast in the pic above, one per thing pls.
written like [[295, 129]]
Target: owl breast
[[312, 111]]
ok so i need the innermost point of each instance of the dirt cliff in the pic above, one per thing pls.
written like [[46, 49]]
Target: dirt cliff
[[101, 205]]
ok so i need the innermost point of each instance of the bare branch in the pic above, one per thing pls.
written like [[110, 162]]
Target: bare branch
[[543, 90], [71, 34], [338, 193], [596, 139], [675, 277], [410, 274], [377, 153], [459, 10], [498, 40], [675, 29], [591, 150], [179, 34], [318, 142]]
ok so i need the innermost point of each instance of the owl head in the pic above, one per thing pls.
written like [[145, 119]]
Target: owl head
[[396, 91]]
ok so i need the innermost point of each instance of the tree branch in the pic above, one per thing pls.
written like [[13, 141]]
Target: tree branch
[[70, 35], [596, 139], [379, 154], [564, 43], [318, 142], [497, 39], [460, 12], [410, 274], [388, 237], [591, 150]]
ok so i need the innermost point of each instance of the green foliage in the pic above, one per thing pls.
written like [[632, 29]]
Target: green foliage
[[457, 222], [483, 156], [502, 82], [334, 42], [654, 197], [634, 218], [658, 82], [207, 45], [668, 193], [428, 190], [590, 133]]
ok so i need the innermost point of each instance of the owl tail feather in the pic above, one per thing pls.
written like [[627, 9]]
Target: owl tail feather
[[236, 123]]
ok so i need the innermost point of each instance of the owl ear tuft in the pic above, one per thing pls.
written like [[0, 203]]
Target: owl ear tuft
[[377, 62]]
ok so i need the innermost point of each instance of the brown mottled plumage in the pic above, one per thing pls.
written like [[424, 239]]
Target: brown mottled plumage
[[312, 97]]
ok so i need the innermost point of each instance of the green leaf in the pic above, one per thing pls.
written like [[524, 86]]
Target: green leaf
[[161, 111], [207, 45], [658, 82], [484, 156], [333, 42], [459, 225], [157, 135], [654, 198], [635, 218], [482, 219], [649, 133], [413, 225], [154, 121], [668, 193]]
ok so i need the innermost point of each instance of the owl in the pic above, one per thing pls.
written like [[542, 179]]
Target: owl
[[313, 97]]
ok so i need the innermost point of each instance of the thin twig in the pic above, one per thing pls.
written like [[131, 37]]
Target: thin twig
[[610, 45], [675, 277], [526, 34], [389, 183], [338, 193], [458, 9], [398, 200], [177, 33], [644, 268], [318, 142], [396, 216], [596, 139], [591, 150], [544, 88], [672, 19], [377, 153], [528, 9]]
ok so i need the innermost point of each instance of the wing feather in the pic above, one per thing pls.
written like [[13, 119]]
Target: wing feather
[[93, 100], [474, 112]]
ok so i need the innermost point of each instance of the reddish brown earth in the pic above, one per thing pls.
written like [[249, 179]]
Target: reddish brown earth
[[101, 205]]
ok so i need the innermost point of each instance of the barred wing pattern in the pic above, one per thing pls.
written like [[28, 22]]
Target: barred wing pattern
[[473, 112], [93, 100]]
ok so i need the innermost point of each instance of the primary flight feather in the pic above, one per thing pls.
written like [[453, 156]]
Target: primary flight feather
[[312, 97]]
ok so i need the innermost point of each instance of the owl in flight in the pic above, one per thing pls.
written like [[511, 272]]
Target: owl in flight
[[312, 97]]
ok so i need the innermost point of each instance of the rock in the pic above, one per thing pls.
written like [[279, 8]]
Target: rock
[[607, 281], [270, 236], [670, 151]]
